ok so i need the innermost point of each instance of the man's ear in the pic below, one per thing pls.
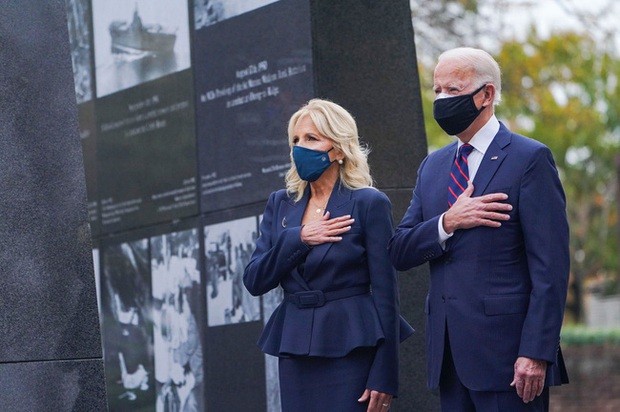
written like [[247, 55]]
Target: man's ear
[[489, 94]]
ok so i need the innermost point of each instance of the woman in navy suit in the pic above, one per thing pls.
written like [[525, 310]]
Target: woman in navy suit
[[324, 240]]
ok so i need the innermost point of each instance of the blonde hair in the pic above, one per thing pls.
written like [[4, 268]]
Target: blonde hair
[[486, 69], [335, 123]]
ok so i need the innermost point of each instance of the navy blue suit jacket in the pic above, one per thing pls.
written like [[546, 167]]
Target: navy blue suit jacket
[[360, 258], [501, 291]]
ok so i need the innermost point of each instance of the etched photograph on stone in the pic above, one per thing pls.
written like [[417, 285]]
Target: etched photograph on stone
[[127, 325], [78, 22], [228, 248], [271, 300], [138, 41], [208, 12], [177, 320]]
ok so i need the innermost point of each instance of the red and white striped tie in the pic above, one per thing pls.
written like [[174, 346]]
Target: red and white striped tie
[[459, 174]]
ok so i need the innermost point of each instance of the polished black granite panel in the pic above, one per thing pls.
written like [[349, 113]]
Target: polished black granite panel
[[414, 396], [72, 386], [50, 350], [48, 304], [364, 57]]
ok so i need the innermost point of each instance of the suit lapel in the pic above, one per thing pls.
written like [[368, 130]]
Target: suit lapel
[[291, 213], [340, 203], [491, 161]]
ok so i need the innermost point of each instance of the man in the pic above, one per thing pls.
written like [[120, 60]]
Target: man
[[498, 251]]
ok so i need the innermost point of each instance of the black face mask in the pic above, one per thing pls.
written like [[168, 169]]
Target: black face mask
[[455, 114]]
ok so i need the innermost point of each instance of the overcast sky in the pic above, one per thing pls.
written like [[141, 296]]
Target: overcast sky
[[553, 15]]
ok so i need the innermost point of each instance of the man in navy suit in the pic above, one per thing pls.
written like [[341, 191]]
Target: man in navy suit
[[491, 222]]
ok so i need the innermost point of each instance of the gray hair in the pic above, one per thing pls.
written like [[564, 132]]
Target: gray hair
[[482, 63]]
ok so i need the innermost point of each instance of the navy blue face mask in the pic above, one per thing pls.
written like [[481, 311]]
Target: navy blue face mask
[[455, 114], [310, 164]]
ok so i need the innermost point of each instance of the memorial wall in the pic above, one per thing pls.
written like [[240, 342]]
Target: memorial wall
[[183, 107], [50, 342]]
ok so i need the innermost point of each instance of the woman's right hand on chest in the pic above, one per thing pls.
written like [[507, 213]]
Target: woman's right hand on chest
[[325, 230]]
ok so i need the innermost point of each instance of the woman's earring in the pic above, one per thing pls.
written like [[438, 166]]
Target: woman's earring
[[340, 161]]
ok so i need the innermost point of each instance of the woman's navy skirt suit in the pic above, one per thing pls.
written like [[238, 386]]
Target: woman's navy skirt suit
[[338, 328]]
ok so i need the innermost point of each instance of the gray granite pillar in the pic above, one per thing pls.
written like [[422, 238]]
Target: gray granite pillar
[[364, 57], [50, 351]]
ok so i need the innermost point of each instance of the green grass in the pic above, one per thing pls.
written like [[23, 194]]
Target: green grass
[[583, 335]]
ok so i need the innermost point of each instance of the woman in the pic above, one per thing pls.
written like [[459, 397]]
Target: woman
[[324, 240]]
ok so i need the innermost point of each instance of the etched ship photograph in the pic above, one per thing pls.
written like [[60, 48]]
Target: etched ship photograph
[[138, 41], [135, 37]]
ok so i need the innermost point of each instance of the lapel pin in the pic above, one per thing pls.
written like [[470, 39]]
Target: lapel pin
[[284, 222], [494, 158]]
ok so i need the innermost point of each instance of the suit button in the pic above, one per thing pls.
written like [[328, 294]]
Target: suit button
[[443, 299]]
